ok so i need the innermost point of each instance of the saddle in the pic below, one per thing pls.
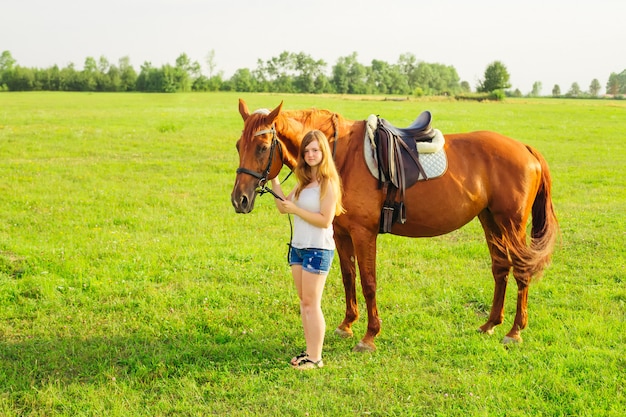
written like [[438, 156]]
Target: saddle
[[398, 164]]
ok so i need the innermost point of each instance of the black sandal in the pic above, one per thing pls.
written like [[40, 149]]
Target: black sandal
[[306, 364], [298, 358]]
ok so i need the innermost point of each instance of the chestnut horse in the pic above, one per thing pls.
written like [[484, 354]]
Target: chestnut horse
[[496, 178]]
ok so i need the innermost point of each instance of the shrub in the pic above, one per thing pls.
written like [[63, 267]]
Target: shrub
[[497, 95]]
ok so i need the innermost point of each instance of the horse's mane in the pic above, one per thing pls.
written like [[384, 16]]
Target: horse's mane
[[298, 122]]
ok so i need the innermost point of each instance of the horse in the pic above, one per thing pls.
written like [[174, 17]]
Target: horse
[[490, 176]]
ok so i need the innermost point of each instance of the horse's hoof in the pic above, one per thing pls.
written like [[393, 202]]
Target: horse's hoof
[[488, 331], [343, 333], [509, 341], [364, 347]]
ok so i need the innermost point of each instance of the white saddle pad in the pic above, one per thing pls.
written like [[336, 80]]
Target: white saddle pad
[[432, 155]]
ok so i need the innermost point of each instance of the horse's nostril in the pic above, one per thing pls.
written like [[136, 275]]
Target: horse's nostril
[[244, 202]]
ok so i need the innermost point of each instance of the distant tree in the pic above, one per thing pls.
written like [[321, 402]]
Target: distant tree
[[407, 65], [88, 76], [399, 83], [6, 61], [349, 76], [70, 79], [6, 66], [112, 79], [242, 80], [465, 87], [168, 80], [184, 73], [574, 90], [20, 79], [307, 70], [107, 75], [50, 79], [128, 75], [103, 64], [536, 92], [595, 87], [340, 77], [516, 93], [496, 78], [323, 85], [279, 73], [210, 62], [612, 85], [385, 78], [617, 83], [379, 78], [436, 79], [203, 83], [149, 78], [556, 91]]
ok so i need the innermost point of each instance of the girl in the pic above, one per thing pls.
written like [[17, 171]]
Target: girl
[[314, 202]]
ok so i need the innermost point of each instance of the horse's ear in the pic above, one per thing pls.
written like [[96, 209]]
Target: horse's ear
[[243, 109], [272, 116]]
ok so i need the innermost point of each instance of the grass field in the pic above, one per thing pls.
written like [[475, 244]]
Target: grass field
[[129, 286]]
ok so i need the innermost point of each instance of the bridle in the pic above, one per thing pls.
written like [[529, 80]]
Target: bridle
[[261, 187]]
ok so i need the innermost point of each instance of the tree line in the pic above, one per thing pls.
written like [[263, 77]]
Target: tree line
[[287, 73]]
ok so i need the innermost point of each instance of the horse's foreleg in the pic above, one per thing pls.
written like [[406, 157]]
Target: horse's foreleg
[[347, 261]]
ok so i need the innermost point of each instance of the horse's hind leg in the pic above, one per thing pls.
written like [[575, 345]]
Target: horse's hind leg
[[521, 316], [523, 281], [502, 263], [359, 246], [500, 267], [345, 250]]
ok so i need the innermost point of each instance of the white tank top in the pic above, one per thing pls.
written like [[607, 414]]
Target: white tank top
[[305, 235]]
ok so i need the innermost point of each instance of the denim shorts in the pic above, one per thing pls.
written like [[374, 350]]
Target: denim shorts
[[315, 261]]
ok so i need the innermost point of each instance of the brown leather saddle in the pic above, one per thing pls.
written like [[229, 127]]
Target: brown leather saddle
[[398, 162]]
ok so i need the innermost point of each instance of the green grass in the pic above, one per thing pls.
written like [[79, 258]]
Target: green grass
[[128, 285]]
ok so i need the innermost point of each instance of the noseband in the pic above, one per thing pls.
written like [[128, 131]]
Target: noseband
[[263, 177]]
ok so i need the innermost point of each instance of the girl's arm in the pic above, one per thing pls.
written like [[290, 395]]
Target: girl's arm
[[279, 192]]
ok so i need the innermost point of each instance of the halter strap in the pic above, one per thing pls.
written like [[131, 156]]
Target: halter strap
[[262, 132]]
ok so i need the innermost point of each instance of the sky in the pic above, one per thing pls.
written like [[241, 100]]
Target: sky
[[550, 41]]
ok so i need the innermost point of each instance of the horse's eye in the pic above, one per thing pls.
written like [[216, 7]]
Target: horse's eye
[[262, 149]]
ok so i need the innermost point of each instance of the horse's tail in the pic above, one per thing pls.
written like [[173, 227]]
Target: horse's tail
[[545, 226], [531, 259]]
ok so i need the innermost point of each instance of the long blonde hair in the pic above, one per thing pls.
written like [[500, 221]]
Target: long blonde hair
[[327, 174]]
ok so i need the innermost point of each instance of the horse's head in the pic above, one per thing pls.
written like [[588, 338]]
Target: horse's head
[[260, 155]]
